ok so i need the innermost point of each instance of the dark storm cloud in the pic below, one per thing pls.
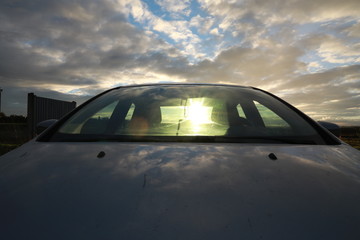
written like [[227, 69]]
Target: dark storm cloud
[[74, 49], [247, 66], [52, 41], [68, 43]]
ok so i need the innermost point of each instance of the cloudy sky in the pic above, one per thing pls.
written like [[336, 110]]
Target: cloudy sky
[[305, 51]]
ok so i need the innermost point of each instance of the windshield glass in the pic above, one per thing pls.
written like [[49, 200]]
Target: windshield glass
[[178, 111]]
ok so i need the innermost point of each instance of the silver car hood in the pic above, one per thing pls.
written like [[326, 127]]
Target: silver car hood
[[179, 191]]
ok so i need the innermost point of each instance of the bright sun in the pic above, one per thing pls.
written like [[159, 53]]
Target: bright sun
[[197, 113]]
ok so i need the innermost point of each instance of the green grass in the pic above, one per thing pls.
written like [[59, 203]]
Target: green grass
[[352, 141], [4, 148], [12, 135]]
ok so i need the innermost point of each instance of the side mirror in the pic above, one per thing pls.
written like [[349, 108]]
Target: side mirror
[[331, 127], [42, 126]]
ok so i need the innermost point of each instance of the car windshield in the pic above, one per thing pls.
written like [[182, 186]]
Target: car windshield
[[186, 113]]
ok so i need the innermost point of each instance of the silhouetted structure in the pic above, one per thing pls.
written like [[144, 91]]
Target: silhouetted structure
[[0, 97], [40, 109]]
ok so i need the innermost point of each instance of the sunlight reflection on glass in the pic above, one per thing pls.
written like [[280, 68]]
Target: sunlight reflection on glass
[[193, 116], [197, 113]]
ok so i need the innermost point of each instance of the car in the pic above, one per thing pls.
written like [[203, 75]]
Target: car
[[182, 161]]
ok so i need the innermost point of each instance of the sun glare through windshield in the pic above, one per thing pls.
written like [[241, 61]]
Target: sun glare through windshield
[[191, 111]]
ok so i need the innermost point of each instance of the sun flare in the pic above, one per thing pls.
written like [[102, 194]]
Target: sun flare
[[198, 113]]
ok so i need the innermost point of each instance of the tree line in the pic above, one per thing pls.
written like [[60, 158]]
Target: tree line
[[12, 118]]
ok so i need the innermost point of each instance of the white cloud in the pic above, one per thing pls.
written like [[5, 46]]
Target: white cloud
[[203, 24], [215, 31], [254, 21], [313, 67], [335, 51], [177, 30], [276, 11], [354, 30], [175, 6]]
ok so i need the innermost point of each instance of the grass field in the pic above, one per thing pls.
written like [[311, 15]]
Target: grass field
[[351, 135], [4, 148], [12, 135], [352, 141]]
